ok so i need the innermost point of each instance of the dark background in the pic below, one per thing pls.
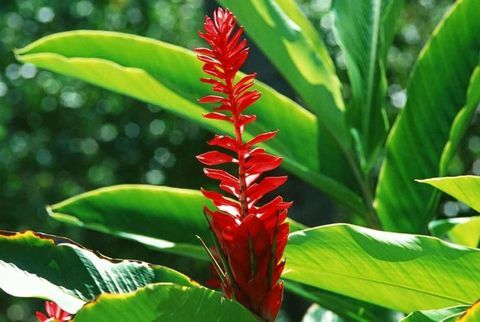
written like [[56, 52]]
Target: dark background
[[60, 137]]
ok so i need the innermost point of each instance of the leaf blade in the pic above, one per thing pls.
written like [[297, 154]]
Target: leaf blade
[[165, 302], [54, 268], [171, 80], [366, 259], [402, 204]]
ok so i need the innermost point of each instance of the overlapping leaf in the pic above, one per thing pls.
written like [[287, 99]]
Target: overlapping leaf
[[150, 215], [365, 31], [167, 75], [462, 230], [437, 91], [54, 268], [292, 44]]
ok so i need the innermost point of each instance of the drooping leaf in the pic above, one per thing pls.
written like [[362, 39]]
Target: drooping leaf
[[464, 188], [166, 75], [397, 271], [167, 303], [365, 31], [444, 315], [288, 39], [164, 218], [436, 92], [54, 268], [464, 231]]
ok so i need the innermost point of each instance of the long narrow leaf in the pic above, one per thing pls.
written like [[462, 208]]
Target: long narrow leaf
[[292, 44], [164, 218], [436, 92], [167, 75], [365, 31]]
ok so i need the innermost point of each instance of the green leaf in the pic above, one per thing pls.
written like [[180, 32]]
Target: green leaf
[[168, 76], [464, 188], [436, 92], [316, 313], [166, 303], [444, 315], [365, 31], [464, 231], [160, 217], [397, 271], [292, 44], [54, 268], [461, 122]]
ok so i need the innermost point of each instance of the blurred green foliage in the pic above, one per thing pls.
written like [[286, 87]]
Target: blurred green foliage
[[60, 137]]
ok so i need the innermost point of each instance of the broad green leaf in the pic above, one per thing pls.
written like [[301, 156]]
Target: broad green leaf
[[316, 313], [167, 303], [365, 31], [443, 315], [461, 122], [464, 231], [168, 76], [347, 308], [54, 268], [160, 217], [464, 188], [292, 44], [436, 92], [397, 271]]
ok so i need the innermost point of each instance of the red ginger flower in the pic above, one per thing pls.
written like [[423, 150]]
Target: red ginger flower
[[250, 237], [55, 313]]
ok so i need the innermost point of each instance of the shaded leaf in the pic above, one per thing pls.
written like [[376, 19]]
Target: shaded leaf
[[365, 31]]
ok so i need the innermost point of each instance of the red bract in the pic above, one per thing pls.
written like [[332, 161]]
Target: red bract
[[55, 313], [250, 234]]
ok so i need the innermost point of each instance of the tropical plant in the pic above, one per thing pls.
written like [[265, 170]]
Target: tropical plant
[[341, 145]]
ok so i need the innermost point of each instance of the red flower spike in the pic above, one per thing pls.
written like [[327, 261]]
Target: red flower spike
[[55, 313], [249, 237]]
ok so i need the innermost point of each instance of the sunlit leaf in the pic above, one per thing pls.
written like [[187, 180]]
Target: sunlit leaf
[[54, 268], [397, 271]]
